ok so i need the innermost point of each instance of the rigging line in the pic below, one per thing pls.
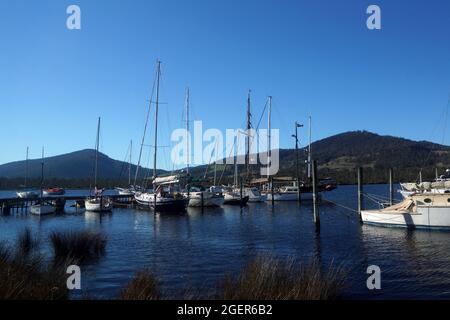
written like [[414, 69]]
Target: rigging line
[[124, 162], [145, 126], [445, 113], [375, 196], [213, 151], [225, 166], [262, 114], [445, 120]]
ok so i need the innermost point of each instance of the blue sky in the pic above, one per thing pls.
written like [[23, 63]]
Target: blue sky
[[313, 57]]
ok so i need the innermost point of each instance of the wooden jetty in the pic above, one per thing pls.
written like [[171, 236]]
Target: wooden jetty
[[15, 204]]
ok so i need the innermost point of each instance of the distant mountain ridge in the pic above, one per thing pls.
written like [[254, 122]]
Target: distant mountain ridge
[[74, 165], [338, 156]]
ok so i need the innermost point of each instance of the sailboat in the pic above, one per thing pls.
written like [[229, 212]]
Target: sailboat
[[290, 192], [166, 196], [27, 194], [131, 189], [42, 207], [233, 195], [97, 203], [254, 195], [198, 195]]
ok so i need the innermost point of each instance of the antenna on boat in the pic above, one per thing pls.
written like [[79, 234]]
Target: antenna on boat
[[187, 131], [26, 169], [129, 165], [249, 124], [42, 172], [269, 136], [309, 151], [97, 143]]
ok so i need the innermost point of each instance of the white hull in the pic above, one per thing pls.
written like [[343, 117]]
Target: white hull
[[125, 191], [96, 205], [147, 200], [144, 198], [253, 195], [209, 199], [27, 194], [418, 211], [42, 209], [289, 196]]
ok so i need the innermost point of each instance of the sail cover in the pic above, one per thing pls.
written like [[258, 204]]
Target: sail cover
[[166, 180]]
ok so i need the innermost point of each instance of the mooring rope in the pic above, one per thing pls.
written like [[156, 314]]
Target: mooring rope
[[340, 205]]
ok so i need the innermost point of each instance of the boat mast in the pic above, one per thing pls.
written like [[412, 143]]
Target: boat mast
[[235, 160], [187, 131], [309, 151], [143, 137], [26, 169], [42, 172], [97, 143], [156, 117], [269, 136], [129, 164], [215, 171], [249, 124]]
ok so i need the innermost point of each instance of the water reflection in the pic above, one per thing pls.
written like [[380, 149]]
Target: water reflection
[[200, 246]]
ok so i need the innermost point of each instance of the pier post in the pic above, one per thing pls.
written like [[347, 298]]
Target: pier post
[[391, 187], [315, 196], [240, 187], [202, 199], [271, 190], [360, 192]]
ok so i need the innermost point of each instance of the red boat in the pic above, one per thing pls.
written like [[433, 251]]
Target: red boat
[[54, 191]]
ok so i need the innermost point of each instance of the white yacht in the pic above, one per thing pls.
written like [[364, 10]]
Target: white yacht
[[233, 197], [42, 208], [97, 203], [254, 195], [440, 185], [420, 210], [207, 198], [289, 193], [27, 194]]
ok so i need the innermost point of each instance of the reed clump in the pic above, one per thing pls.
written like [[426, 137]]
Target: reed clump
[[80, 246], [24, 275], [266, 278], [144, 286], [26, 243]]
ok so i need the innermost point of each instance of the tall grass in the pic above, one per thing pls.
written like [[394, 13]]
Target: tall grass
[[266, 278], [144, 286], [78, 246], [25, 276], [26, 243]]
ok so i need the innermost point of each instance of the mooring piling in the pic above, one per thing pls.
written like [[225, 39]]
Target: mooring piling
[[240, 187], [391, 186], [271, 191], [315, 196], [360, 192]]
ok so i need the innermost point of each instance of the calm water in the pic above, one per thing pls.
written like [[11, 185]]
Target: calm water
[[197, 249]]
